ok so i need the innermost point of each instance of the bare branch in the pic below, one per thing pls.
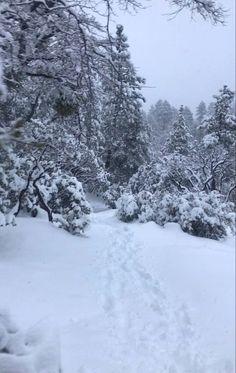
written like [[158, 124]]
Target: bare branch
[[208, 9], [230, 192]]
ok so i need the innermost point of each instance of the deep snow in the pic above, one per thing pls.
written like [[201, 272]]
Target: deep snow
[[126, 298]]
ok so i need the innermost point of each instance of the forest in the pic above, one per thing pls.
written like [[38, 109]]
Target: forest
[[72, 121], [74, 130]]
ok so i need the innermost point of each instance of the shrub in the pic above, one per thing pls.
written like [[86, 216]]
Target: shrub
[[132, 207], [169, 174], [147, 178], [127, 208], [199, 213], [145, 202], [205, 215], [25, 186], [13, 173], [112, 194], [65, 197], [166, 209]]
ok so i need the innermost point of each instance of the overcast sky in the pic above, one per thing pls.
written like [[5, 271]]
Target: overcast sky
[[185, 60]]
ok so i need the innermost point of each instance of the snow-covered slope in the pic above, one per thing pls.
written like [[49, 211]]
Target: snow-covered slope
[[126, 298]]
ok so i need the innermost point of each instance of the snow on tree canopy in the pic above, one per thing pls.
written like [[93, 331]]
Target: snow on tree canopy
[[179, 140]]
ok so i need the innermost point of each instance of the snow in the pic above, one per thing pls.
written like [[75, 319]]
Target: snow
[[96, 203], [31, 351], [135, 298]]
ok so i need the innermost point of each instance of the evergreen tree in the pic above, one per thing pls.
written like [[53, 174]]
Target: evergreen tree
[[161, 117], [201, 112], [189, 121], [217, 150], [222, 124], [201, 115], [211, 109], [179, 140], [56, 57], [124, 127]]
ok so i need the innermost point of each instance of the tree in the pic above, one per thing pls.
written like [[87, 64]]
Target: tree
[[123, 124], [222, 125], [218, 144], [57, 61], [50, 74], [201, 112], [179, 140], [161, 117], [211, 108], [189, 121], [201, 115]]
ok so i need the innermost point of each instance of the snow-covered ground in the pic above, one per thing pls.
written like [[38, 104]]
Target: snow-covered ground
[[126, 298]]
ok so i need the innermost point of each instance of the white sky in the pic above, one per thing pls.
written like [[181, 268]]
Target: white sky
[[185, 60]]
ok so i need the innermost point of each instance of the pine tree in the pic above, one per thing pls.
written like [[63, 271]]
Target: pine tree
[[217, 150], [123, 125], [53, 53], [222, 124], [211, 109], [201, 115], [161, 117], [201, 112], [189, 121], [179, 140]]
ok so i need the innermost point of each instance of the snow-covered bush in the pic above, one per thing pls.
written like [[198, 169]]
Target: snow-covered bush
[[33, 351], [147, 178], [170, 174], [132, 207], [146, 204], [13, 174], [205, 215], [128, 209], [27, 185], [112, 194], [65, 197], [166, 209], [200, 214]]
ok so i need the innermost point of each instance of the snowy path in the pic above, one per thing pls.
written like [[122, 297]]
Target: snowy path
[[113, 295], [139, 313]]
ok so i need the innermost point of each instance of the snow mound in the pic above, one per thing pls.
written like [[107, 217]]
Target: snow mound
[[33, 351]]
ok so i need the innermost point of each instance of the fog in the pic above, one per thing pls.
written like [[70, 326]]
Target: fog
[[184, 60]]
